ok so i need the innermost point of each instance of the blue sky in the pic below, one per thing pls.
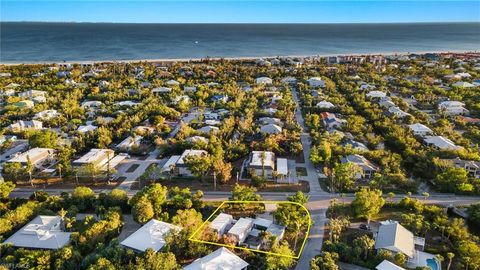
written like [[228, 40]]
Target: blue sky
[[266, 11]]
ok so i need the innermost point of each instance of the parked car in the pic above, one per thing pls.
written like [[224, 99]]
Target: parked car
[[365, 227]]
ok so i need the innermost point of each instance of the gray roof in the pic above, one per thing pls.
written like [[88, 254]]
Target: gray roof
[[394, 237]]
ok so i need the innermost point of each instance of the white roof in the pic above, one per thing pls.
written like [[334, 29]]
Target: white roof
[[386, 265], [219, 222], [376, 94], [207, 129], [87, 128], [42, 232], [282, 166], [221, 258], [171, 161], [257, 158], [94, 155], [270, 129], [262, 222], [190, 152], [161, 90], [151, 235], [241, 226], [130, 141], [395, 237], [441, 142], [325, 104], [33, 154], [417, 127], [445, 104], [463, 84], [261, 80]]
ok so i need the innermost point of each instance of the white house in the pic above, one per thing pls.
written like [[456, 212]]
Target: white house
[[221, 222], [22, 125], [161, 90], [368, 169], [86, 128], [463, 85], [289, 80], [208, 129], [420, 129], [177, 163], [43, 232], [387, 265], [172, 82], [397, 112], [440, 142], [262, 161], [191, 89], [92, 104], [95, 157], [46, 114], [270, 129], [32, 94], [270, 120], [264, 80], [197, 139], [37, 156], [376, 94], [221, 258], [315, 82], [129, 143], [325, 104], [241, 229], [151, 235], [452, 107]]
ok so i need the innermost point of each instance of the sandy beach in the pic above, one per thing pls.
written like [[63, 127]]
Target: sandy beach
[[243, 58]]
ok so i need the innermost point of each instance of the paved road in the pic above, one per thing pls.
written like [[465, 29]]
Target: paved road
[[316, 207], [131, 177]]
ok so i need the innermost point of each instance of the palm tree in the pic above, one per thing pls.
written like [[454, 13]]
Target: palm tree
[[62, 213], [29, 168], [450, 256], [262, 160], [425, 195]]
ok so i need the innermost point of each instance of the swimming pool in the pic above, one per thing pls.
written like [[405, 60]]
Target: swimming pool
[[432, 264]]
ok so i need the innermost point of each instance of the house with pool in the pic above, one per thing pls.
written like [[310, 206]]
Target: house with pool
[[394, 237]]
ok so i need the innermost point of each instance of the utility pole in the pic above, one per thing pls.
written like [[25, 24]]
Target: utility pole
[[214, 181]]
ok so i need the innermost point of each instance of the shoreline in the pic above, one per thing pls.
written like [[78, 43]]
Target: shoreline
[[233, 58]]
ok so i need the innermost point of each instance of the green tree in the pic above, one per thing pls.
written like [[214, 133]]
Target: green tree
[[325, 261], [275, 262], [142, 211], [198, 165], [244, 193], [343, 176], [5, 189], [367, 203], [43, 139]]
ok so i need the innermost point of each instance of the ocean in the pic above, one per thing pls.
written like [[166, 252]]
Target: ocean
[[26, 42]]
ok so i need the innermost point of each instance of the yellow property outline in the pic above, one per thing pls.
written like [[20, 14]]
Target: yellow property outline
[[191, 238]]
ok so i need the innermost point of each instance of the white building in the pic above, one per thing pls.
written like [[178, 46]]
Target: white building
[[262, 161], [46, 114], [264, 80], [95, 157], [315, 82], [397, 112], [270, 129], [221, 222], [325, 104], [208, 129], [387, 265], [420, 129], [32, 94], [161, 90], [221, 258], [92, 104], [86, 128], [25, 125], [178, 163], [463, 85], [129, 143], [37, 156], [376, 94], [43, 232], [151, 235], [452, 107], [241, 229], [440, 142]]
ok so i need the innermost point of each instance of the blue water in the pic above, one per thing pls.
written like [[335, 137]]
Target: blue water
[[38, 42], [432, 264]]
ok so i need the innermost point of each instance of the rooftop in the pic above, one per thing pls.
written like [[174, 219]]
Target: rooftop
[[151, 235]]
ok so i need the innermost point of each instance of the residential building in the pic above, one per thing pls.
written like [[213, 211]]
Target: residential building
[[32, 94], [22, 125], [177, 163], [270, 129], [27, 104], [37, 156], [86, 128], [440, 142], [452, 108], [208, 129], [161, 90], [270, 120], [262, 162], [397, 239], [397, 112], [325, 105], [92, 104], [95, 157], [420, 129], [387, 265], [241, 229], [331, 121], [264, 80], [222, 223], [368, 169], [46, 114], [221, 258], [151, 235], [43, 232], [376, 94], [471, 166], [129, 143], [463, 85], [315, 82]]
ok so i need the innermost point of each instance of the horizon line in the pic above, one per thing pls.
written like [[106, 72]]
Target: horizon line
[[101, 22]]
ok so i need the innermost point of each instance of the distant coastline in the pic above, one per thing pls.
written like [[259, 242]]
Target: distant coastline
[[27, 42], [246, 58]]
